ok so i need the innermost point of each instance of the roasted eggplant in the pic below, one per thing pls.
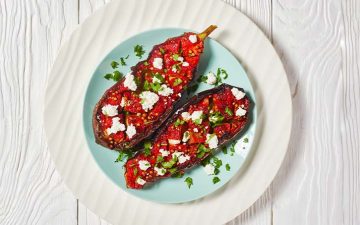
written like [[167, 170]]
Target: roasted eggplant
[[138, 104], [205, 123]]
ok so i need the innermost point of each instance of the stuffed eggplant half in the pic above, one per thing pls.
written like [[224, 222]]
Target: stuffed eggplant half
[[138, 104], [206, 122]]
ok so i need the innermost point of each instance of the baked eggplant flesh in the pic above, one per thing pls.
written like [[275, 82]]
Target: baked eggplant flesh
[[139, 103], [203, 124]]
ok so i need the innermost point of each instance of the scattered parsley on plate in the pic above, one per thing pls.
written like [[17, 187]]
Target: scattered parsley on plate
[[139, 51], [216, 180], [189, 181]]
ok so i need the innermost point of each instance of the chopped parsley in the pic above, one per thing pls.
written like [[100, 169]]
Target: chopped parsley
[[177, 81], [155, 87], [188, 181], [114, 64], [139, 51], [228, 111], [216, 119], [170, 163], [123, 155], [135, 171], [159, 159], [158, 76], [147, 148], [176, 173], [246, 140], [201, 151], [227, 166], [221, 75], [176, 57], [115, 76], [146, 86], [122, 60], [162, 50], [232, 148], [217, 162], [224, 150], [179, 122], [216, 180]]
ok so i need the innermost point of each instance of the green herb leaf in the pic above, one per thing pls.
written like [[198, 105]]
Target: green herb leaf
[[217, 162], [228, 111], [232, 148], [139, 51], [147, 148], [170, 163], [175, 57], [201, 151], [159, 77], [146, 86], [188, 181], [227, 166], [123, 155], [246, 140], [114, 64], [177, 81], [224, 150], [146, 63], [155, 86], [179, 122], [135, 171], [216, 180], [216, 118], [224, 73], [159, 159], [122, 60], [177, 174], [198, 121], [117, 75], [108, 76]]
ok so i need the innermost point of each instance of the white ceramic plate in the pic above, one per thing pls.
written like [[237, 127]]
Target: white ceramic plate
[[99, 34]]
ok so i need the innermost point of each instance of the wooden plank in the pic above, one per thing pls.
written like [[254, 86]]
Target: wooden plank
[[319, 181], [31, 192]]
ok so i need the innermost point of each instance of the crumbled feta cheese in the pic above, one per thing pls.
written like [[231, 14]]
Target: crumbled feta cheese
[[122, 103], [158, 63], [177, 154], [196, 115], [130, 131], [212, 140], [180, 59], [186, 136], [116, 126], [240, 112], [174, 142], [156, 80], [211, 78], [186, 116], [160, 171], [237, 93], [209, 169], [144, 164], [130, 82], [140, 181], [109, 110], [183, 158], [193, 38], [179, 94], [185, 64], [148, 100], [165, 90], [164, 153], [195, 130]]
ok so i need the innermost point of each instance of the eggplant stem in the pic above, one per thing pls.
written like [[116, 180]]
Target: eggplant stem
[[207, 32]]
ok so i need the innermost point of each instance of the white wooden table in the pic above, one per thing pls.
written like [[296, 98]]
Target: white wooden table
[[319, 43]]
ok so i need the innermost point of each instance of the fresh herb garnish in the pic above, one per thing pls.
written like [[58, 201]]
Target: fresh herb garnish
[[147, 148], [135, 171], [198, 121], [170, 163], [179, 122], [115, 76], [177, 81], [155, 87], [124, 154], [177, 174], [162, 50], [146, 86], [220, 75], [227, 166], [232, 148], [188, 181], [139, 51], [224, 150], [201, 151], [158, 76], [216, 180], [228, 111], [146, 63], [122, 60], [217, 162], [114, 64], [216, 119], [159, 159], [246, 140], [176, 57]]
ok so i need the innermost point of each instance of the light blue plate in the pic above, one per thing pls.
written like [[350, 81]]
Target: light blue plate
[[171, 190]]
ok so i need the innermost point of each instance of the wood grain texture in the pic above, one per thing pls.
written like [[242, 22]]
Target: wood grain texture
[[31, 191], [319, 182]]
